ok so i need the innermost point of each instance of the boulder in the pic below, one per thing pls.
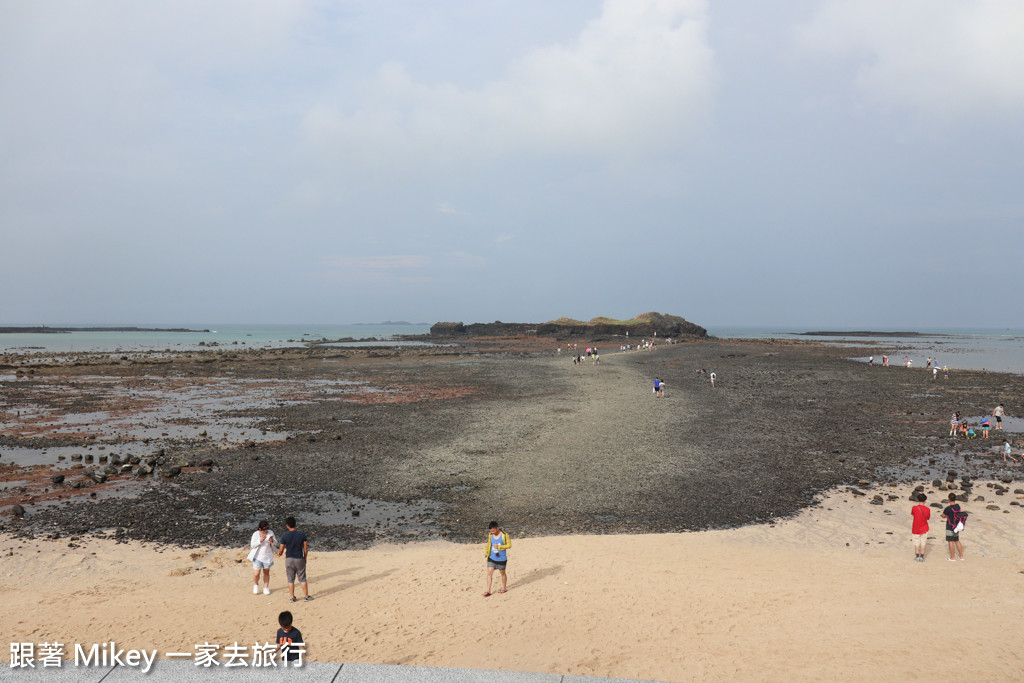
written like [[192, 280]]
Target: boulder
[[57, 478]]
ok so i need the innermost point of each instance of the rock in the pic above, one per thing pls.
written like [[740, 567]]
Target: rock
[[919, 488], [125, 469], [877, 500], [88, 457], [18, 511], [979, 499], [936, 482], [857, 492], [78, 466], [992, 507], [57, 478], [208, 462], [1019, 492], [98, 477], [937, 506], [143, 470], [76, 456], [172, 471], [202, 433], [109, 470], [1006, 478], [892, 497], [102, 458]]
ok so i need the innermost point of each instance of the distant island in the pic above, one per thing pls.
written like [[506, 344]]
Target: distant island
[[43, 329], [643, 325], [865, 333]]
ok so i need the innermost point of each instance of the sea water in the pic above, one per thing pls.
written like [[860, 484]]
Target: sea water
[[963, 349], [256, 336]]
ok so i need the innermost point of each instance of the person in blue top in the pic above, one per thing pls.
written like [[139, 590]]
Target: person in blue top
[[659, 388], [497, 544]]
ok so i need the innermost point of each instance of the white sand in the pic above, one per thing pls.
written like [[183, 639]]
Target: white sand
[[827, 595]]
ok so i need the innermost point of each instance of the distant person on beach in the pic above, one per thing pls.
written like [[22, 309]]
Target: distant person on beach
[[935, 372], [885, 361], [954, 423], [945, 372], [871, 360], [998, 413], [262, 556], [713, 378], [295, 548], [498, 544], [919, 530], [1008, 452], [659, 388], [985, 424], [289, 639], [952, 536]]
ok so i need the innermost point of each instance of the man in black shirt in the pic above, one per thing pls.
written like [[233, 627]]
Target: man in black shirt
[[952, 536], [295, 548]]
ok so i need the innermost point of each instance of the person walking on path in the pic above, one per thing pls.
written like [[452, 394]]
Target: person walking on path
[[295, 548], [998, 413], [498, 544], [952, 536], [262, 556], [659, 388], [1007, 451], [919, 529]]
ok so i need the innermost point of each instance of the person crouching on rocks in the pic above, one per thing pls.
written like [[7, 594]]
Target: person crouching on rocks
[[262, 556]]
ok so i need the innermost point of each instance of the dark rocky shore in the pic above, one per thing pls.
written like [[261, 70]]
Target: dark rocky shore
[[451, 437]]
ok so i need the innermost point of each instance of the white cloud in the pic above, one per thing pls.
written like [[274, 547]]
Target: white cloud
[[445, 207], [401, 262], [637, 80], [945, 57]]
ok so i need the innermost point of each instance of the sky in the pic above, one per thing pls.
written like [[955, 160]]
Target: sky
[[812, 163]]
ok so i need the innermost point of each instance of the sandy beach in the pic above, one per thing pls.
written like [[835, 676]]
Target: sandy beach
[[831, 593]]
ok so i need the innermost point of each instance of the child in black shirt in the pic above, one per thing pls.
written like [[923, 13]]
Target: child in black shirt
[[289, 639]]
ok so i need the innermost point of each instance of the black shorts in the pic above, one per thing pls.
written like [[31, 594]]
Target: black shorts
[[494, 564], [999, 420]]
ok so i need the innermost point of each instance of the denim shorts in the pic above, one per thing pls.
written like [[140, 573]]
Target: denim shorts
[[257, 565]]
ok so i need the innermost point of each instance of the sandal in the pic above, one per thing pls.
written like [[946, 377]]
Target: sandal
[[487, 595]]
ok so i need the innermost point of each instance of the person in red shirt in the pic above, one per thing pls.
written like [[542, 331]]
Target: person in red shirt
[[921, 514]]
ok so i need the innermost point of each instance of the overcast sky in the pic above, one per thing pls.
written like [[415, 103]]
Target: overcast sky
[[802, 163]]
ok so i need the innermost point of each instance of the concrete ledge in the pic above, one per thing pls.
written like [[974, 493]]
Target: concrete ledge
[[165, 671], [390, 673]]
